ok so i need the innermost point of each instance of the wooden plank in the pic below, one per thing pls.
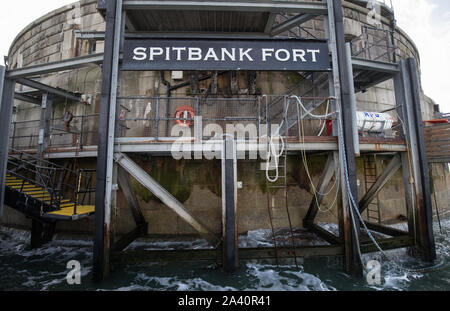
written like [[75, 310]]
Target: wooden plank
[[389, 171], [442, 143]]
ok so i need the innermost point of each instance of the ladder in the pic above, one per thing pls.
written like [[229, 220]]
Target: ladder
[[370, 177], [278, 209]]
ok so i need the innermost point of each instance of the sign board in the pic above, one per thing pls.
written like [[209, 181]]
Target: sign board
[[258, 55]]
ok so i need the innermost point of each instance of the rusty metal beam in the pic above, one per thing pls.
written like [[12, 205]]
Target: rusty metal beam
[[169, 200], [324, 181], [392, 168], [130, 196]]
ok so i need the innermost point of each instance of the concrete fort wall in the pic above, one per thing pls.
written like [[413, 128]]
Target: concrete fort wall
[[196, 183]]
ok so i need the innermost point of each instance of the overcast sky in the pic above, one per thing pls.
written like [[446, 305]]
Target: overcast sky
[[426, 21]]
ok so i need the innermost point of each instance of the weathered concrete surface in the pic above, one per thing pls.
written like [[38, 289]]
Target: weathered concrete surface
[[196, 184]]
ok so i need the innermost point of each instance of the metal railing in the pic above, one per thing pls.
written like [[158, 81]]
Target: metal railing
[[80, 131], [55, 180], [374, 44]]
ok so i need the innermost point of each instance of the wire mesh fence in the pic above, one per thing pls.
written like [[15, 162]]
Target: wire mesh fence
[[159, 118], [75, 131], [374, 44]]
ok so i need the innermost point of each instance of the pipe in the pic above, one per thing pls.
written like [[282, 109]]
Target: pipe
[[168, 94]]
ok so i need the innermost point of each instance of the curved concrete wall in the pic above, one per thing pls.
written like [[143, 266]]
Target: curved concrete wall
[[52, 38]]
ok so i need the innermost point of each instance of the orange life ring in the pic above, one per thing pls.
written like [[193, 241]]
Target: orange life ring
[[184, 112]]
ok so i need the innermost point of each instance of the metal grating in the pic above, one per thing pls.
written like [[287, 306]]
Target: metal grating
[[186, 21]]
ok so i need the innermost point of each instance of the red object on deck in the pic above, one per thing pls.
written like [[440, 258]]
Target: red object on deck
[[437, 121], [329, 127]]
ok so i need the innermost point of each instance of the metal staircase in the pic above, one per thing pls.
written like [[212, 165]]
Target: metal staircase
[[370, 176], [45, 191]]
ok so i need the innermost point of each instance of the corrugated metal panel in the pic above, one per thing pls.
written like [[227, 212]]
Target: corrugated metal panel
[[187, 21]]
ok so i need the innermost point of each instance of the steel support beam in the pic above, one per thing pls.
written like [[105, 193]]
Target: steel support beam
[[270, 22], [291, 23], [373, 65], [104, 162], [229, 206], [189, 255], [423, 191], [392, 168], [7, 87], [316, 8], [49, 89], [44, 123], [341, 77], [130, 196], [72, 63], [169, 200], [352, 96], [324, 181], [385, 230], [402, 95], [27, 99], [325, 234], [415, 168], [191, 35], [129, 238]]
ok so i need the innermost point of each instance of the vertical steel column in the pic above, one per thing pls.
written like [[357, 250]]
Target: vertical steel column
[[7, 88], [334, 88], [342, 80], [44, 126], [408, 104], [348, 53], [423, 191], [106, 134], [229, 206], [425, 205], [402, 96]]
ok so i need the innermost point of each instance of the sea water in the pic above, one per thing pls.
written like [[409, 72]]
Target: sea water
[[22, 268]]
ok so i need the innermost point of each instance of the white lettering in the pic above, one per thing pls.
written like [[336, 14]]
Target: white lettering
[[167, 53], [231, 56], [299, 54], [155, 52], [195, 54], [279, 58], [313, 53], [140, 53], [266, 53], [211, 54], [243, 53], [178, 50]]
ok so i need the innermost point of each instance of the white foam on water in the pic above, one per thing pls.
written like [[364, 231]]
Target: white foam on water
[[269, 278], [44, 268], [147, 282]]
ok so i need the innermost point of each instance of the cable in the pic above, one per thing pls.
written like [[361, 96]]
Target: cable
[[305, 164], [356, 210], [299, 102]]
